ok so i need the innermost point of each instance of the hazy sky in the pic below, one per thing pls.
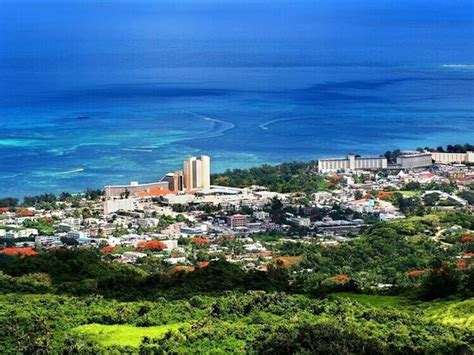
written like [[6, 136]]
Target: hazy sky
[[227, 32]]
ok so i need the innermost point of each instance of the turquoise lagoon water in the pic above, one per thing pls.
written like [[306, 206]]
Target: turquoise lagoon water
[[128, 97]]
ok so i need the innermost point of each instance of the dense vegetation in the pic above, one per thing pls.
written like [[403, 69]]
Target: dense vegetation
[[456, 148], [287, 177], [255, 322], [50, 200]]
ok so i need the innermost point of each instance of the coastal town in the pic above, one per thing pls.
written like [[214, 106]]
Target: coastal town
[[237, 177], [187, 219]]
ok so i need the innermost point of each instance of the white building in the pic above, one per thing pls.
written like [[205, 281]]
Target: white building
[[22, 233], [390, 216], [322, 197], [413, 160], [183, 199], [261, 215], [72, 221], [46, 240], [134, 239], [133, 255], [77, 234], [171, 244], [197, 230], [254, 247], [148, 222], [352, 162], [442, 157], [300, 221], [362, 206], [126, 204], [113, 241], [174, 261]]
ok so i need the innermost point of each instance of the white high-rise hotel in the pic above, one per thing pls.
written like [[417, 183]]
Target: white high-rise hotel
[[197, 173]]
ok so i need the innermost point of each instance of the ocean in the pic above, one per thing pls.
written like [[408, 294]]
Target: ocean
[[96, 93]]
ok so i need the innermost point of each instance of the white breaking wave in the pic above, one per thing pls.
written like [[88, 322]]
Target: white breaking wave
[[265, 125], [224, 126], [227, 125], [147, 150], [78, 170], [464, 66]]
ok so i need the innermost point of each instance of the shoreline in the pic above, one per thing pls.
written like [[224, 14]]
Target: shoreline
[[214, 172]]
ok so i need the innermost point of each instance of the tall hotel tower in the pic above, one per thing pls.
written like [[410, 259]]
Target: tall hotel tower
[[197, 173]]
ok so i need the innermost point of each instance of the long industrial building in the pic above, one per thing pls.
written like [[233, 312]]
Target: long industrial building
[[352, 162]]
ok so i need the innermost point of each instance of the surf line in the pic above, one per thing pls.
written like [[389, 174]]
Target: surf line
[[226, 124], [78, 170], [146, 150], [265, 125]]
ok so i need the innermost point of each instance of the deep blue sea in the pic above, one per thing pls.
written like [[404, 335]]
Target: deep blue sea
[[105, 92]]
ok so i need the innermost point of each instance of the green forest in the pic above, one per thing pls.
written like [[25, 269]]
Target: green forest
[[286, 177], [250, 322]]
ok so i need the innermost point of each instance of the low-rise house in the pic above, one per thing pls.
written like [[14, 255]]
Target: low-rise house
[[171, 244], [261, 215], [362, 206], [77, 234], [148, 222], [47, 241], [254, 247], [174, 261], [173, 230], [133, 255], [73, 221], [21, 233], [133, 239], [390, 216], [322, 197], [113, 241], [300, 221], [189, 231]]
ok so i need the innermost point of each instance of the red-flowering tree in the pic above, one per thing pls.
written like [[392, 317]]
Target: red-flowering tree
[[152, 245], [107, 249], [416, 272], [18, 251], [201, 240]]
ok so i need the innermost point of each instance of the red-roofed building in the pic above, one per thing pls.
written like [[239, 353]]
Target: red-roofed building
[[153, 192], [24, 212]]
